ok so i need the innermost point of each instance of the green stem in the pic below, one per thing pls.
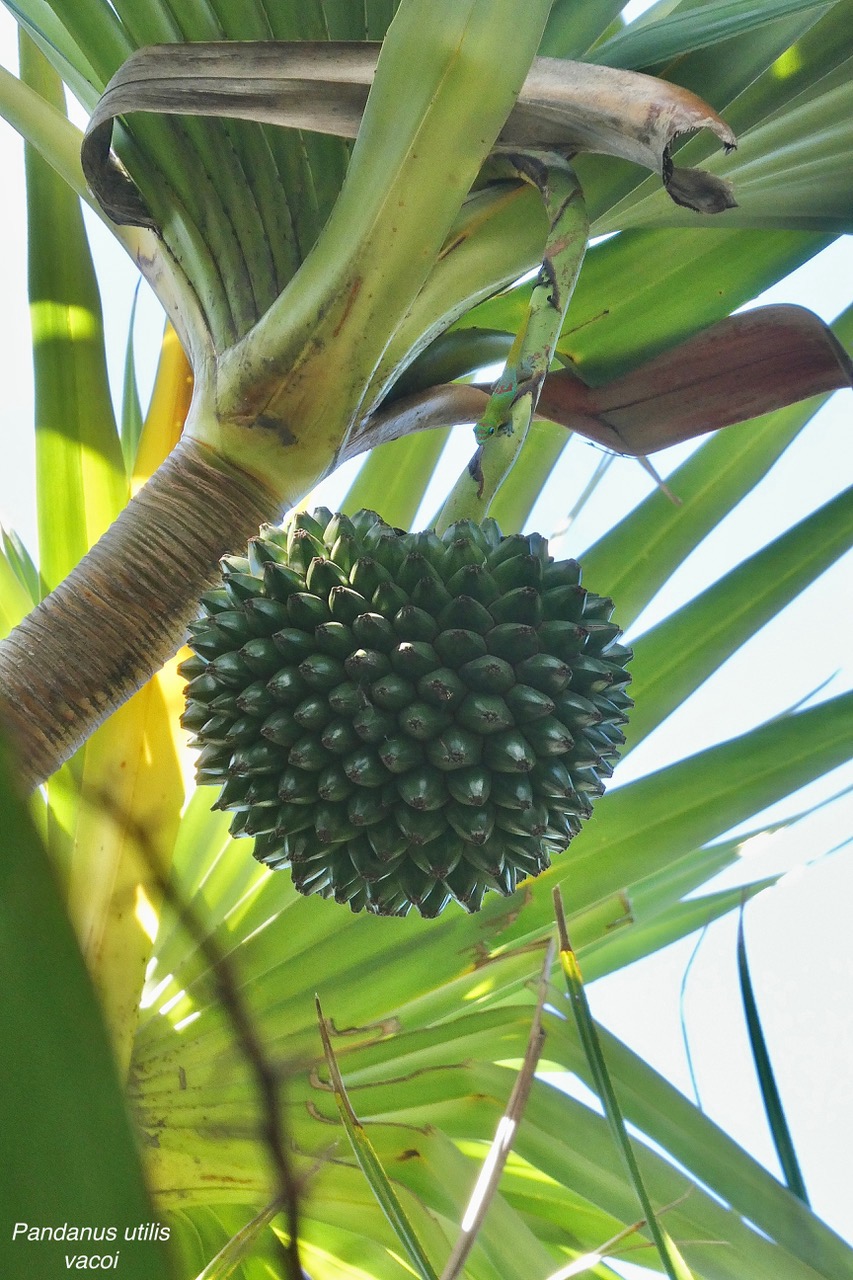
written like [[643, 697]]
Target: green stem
[[503, 428]]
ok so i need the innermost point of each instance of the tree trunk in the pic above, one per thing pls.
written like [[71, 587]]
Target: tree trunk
[[124, 609]]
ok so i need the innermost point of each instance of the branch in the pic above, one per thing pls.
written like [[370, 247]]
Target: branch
[[124, 609], [289, 1185]]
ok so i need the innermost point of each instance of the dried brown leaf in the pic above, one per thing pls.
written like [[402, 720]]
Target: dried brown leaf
[[441, 406], [746, 365], [636, 117], [323, 86]]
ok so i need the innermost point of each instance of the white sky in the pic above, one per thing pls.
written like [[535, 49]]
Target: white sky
[[797, 933]]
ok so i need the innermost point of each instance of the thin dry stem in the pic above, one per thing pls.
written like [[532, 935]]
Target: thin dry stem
[[289, 1186]]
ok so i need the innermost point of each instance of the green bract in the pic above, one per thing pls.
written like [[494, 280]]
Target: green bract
[[402, 718]]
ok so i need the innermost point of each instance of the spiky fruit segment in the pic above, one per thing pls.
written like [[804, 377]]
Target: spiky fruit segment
[[403, 718]]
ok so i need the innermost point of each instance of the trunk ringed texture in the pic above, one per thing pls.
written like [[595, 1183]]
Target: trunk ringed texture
[[124, 609]]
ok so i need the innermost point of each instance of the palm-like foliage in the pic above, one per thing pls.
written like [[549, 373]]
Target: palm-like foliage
[[438, 1013]]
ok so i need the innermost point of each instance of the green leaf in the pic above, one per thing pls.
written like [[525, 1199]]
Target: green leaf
[[52, 36], [46, 127], [747, 774], [371, 1166], [572, 28], [765, 86], [90, 30], [751, 81], [689, 29], [637, 556], [770, 1096], [791, 171], [675, 657], [131, 409], [69, 1155], [811, 189], [628, 945], [22, 565], [81, 482], [395, 476], [662, 1112], [240, 1246], [673, 1263], [811, 61], [15, 599], [732, 75]]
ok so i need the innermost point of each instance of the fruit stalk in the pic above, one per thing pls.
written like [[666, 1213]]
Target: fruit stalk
[[95, 640]]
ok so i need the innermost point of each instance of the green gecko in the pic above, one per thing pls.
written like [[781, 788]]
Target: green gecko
[[497, 416]]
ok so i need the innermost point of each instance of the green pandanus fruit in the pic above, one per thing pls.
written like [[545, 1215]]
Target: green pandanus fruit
[[402, 718]]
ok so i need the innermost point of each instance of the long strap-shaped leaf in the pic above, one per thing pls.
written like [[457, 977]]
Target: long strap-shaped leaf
[[69, 1152], [240, 1246], [689, 29], [770, 1096], [673, 1264], [80, 478], [323, 87], [493, 1166], [674, 658], [371, 1166]]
